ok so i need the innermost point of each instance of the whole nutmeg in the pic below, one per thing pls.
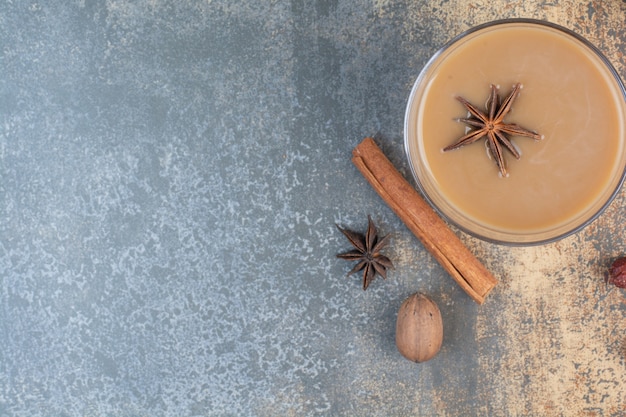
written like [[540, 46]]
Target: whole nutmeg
[[419, 328]]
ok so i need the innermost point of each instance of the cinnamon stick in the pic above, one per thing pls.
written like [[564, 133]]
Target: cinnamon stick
[[422, 220]]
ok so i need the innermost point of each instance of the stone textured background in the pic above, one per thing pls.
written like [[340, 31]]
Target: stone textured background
[[170, 176]]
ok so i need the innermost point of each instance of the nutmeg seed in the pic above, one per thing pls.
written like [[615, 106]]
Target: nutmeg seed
[[419, 328]]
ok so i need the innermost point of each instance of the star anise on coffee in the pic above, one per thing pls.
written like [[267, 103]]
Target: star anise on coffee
[[367, 252], [490, 124]]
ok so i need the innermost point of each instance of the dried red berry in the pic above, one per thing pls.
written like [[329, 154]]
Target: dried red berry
[[617, 273]]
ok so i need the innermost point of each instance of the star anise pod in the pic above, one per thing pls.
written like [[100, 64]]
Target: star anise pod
[[367, 252], [491, 125]]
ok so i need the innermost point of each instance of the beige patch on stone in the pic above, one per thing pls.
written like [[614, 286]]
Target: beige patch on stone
[[552, 339]]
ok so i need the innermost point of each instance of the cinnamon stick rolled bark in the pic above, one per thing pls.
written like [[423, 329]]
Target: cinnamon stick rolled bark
[[422, 220]]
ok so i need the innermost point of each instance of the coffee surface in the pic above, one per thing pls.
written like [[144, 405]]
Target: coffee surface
[[568, 96]]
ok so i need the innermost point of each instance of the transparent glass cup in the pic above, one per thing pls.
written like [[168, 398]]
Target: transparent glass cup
[[454, 213]]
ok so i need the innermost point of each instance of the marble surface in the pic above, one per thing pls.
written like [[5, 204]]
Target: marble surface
[[171, 173]]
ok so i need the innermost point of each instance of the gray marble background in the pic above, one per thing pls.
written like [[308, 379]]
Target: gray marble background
[[171, 173]]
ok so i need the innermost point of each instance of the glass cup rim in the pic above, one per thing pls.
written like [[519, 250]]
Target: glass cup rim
[[420, 79]]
